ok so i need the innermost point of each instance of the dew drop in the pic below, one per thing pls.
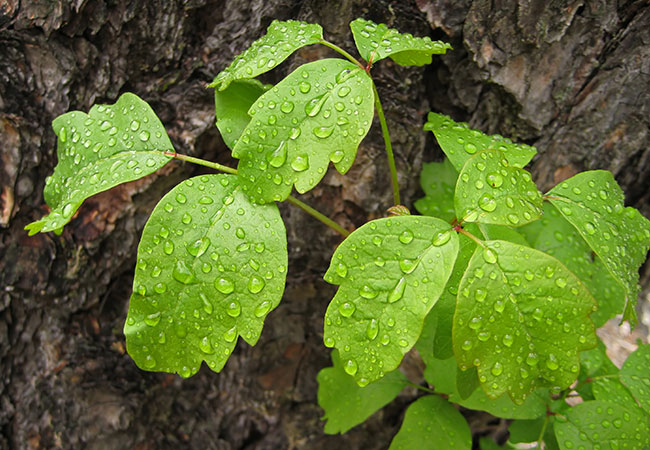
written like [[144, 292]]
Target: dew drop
[[406, 237], [350, 367], [300, 163], [205, 346], [347, 309], [256, 284], [152, 319], [442, 238], [497, 369], [279, 155], [233, 309], [224, 285], [368, 292], [398, 291], [489, 256], [262, 309], [323, 132], [372, 329], [341, 270]]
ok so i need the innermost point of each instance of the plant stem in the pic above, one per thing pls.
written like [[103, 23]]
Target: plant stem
[[318, 216], [469, 235], [294, 201], [541, 433], [202, 162], [339, 50], [387, 143], [422, 388]]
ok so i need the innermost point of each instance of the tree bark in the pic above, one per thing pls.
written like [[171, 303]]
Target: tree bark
[[570, 77]]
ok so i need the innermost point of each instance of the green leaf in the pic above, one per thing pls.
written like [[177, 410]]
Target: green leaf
[[555, 236], [377, 41], [210, 267], [317, 114], [593, 363], [432, 420], [594, 424], [525, 431], [232, 105], [279, 42], [503, 233], [346, 404], [490, 190], [521, 318], [438, 181], [391, 272], [459, 142], [442, 374], [594, 204], [488, 444], [635, 375], [110, 145]]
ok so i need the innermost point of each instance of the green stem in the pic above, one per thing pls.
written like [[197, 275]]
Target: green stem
[[294, 201], [319, 216], [389, 146], [470, 235], [541, 433], [422, 388], [338, 49], [202, 162]]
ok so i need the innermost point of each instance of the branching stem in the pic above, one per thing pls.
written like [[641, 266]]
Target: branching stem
[[389, 146], [461, 230], [339, 50], [294, 201]]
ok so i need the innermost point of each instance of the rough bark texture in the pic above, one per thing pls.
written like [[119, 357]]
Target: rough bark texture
[[568, 76]]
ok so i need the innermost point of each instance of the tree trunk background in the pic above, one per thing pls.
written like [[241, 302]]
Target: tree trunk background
[[569, 76]]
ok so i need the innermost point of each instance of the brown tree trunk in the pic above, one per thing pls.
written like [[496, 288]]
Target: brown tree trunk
[[570, 77]]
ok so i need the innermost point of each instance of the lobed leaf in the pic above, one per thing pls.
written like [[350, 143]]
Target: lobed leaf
[[111, 145], [282, 38], [444, 375], [232, 105], [346, 404], [211, 266], [459, 142], [438, 181], [317, 114], [391, 272], [593, 424], [555, 236], [432, 420], [521, 319], [489, 190], [594, 204], [377, 41]]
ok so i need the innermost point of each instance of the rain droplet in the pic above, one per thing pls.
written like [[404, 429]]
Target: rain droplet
[[205, 345], [367, 292], [489, 256], [336, 156], [152, 319], [347, 309], [233, 309], [182, 273], [279, 155], [341, 270], [262, 309], [300, 163], [497, 369], [487, 203], [323, 132], [256, 284], [168, 247], [398, 291], [494, 179], [350, 367], [373, 329], [224, 285], [442, 238], [406, 237]]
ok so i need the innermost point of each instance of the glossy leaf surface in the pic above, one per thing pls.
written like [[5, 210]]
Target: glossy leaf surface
[[438, 181], [635, 376], [232, 105], [391, 272], [459, 142], [111, 145], [594, 424], [317, 114], [433, 420], [377, 41], [546, 309], [444, 375], [282, 38], [594, 204], [211, 266], [554, 235], [346, 404], [489, 190]]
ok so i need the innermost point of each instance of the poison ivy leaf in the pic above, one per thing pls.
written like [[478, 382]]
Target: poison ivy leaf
[[346, 404], [501, 232], [442, 374], [377, 41], [232, 105], [546, 308], [442, 313], [317, 114], [438, 180], [594, 204], [110, 145], [211, 266], [433, 420], [391, 272], [594, 424], [459, 142], [555, 236], [279, 42], [635, 375], [490, 190]]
